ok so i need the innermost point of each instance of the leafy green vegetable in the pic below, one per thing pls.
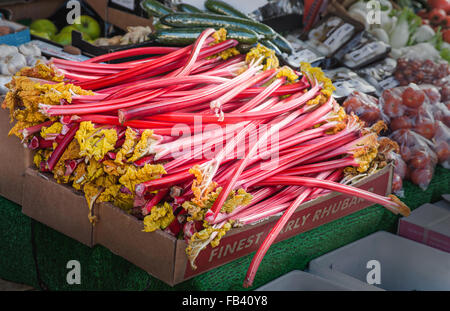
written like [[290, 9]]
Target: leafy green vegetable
[[445, 54], [437, 40]]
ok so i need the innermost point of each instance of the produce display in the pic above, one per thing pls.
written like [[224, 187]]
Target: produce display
[[13, 59], [221, 122], [135, 34], [88, 26], [106, 130]]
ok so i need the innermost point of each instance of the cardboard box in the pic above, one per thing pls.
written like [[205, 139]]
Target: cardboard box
[[20, 34], [58, 206], [428, 224], [14, 159], [91, 50], [163, 256], [119, 18], [31, 9], [55, 10]]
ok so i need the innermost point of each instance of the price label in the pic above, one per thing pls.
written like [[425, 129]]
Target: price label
[[55, 51], [302, 56], [365, 51], [129, 4], [388, 83], [336, 38]]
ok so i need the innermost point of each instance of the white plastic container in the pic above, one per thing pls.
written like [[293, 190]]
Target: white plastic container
[[301, 281], [404, 264]]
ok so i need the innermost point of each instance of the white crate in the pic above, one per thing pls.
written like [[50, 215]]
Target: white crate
[[404, 264], [301, 281]]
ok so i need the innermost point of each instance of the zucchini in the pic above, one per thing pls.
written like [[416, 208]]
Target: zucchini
[[155, 8], [269, 44], [186, 36], [187, 8], [159, 25], [244, 48], [282, 44], [222, 8], [216, 21]]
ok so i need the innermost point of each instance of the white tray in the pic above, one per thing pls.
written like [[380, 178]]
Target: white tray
[[301, 281], [404, 264]]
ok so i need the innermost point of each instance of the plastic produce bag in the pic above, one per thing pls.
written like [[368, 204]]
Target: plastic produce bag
[[367, 51], [347, 81], [418, 154], [364, 106], [411, 70], [302, 52], [380, 74], [409, 108], [442, 144], [444, 85], [331, 34], [391, 150], [441, 112]]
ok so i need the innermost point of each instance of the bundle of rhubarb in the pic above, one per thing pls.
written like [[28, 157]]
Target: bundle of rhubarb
[[195, 140]]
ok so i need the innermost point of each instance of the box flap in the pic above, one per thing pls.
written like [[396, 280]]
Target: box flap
[[122, 234], [56, 206]]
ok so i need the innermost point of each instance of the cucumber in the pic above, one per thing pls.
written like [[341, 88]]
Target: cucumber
[[186, 36], [244, 48], [282, 44], [155, 8], [159, 25], [222, 8], [269, 44], [187, 8], [216, 21]]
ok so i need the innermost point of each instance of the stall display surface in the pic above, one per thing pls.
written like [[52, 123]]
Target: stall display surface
[[34, 254]]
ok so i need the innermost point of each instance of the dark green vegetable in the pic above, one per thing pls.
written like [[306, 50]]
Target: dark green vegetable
[[281, 43], [159, 25], [216, 21], [223, 8], [155, 8], [220, 7], [269, 44], [186, 36], [244, 48], [187, 8]]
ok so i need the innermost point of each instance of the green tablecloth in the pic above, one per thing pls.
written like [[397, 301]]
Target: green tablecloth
[[33, 254]]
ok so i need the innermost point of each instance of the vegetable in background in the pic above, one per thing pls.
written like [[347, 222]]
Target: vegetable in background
[[440, 4], [407, 23], [184, 20], [155, 8]]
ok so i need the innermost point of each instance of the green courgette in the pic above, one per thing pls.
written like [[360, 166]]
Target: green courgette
[[269, 44], [282, 44], [155, 8], [223, 8], [216, 21], [159, 25], [220, 7], [186, 36], [187, 8], [244, 48]]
